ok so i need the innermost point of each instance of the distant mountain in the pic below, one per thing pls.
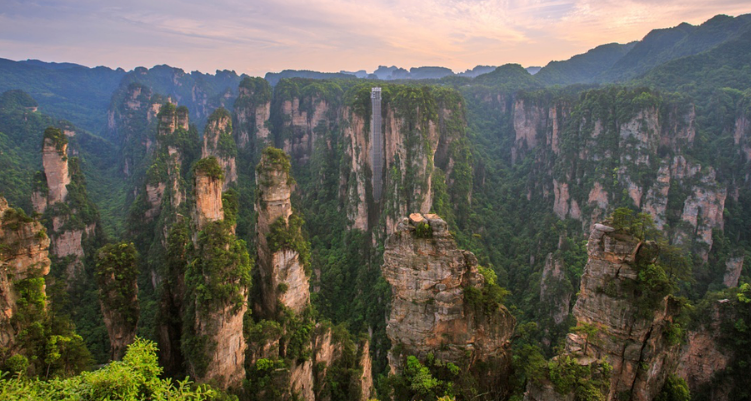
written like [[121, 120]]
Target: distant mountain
[[533, 70], [663, 45], [511, 75], [478, 70], [64, 90], [200, 93], [275, 77], [726, 66], [583, 68]]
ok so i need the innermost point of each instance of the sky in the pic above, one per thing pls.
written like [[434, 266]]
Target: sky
[[258, 36]]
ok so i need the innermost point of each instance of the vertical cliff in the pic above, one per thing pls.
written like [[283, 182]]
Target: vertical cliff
[[117, 273], [24, 263], [217, 283], [282, 252], [424, 147], [219, 142], [291, 356], [60, 194], [626, 354], [445, 305], [252, 115], [131, 120]]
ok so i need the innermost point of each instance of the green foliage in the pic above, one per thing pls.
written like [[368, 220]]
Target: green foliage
[[57, 138], [419, 382], [117, 270], [489, 298], [588, 382], [210, 167], [288, 235], [135, 378], [423, 230], [17, 99], [674, 389]]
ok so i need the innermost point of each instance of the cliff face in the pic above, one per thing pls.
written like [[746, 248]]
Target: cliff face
[[421, 136], [290, 355], [219, 142], [555, 289], [610, 149], [284, 277], [440, 304], [117, 274], [69, 225], [217, 281], [164, 175], [23, 256], [252, 114], [620, 320], [702, 357], [300, 120]]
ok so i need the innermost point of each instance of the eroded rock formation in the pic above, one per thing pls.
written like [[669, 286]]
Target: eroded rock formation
[[217, 286], [440, 303], [23, 257], [613, 324], [219, 142], [253, 113], [283, 274]]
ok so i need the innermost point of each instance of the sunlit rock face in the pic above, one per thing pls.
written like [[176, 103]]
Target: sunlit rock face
[[430, 311]]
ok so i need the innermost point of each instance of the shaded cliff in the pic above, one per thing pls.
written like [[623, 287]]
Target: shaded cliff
[[623, 355], [445, 306], [283, 255], [116, 274], [252, 112], [24, 263], [60, 195], [290, 354], [219, 142], [217, 282]]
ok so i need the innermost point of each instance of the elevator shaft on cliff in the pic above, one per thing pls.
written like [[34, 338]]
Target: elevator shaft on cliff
[[376, 137]]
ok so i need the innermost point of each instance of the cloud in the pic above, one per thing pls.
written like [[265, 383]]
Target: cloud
[[266, 35]]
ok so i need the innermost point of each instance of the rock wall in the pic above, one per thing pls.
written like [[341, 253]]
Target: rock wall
[[55, 162], [554, 289], [702, 357], [220, 261], [613, 327], [431, 312], [417, 139], [284, 278], [252, 114], [648, 140], [219, 142], [23, 255]]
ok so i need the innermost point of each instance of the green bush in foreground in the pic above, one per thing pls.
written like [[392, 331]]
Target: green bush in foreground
[[136, 377]]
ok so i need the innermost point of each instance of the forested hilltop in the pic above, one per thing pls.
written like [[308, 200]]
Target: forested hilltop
[[199, 236]]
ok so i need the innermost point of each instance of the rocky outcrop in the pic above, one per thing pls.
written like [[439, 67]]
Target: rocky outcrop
[[208, 194], [703, 357], [130, 121], [117, 278], [217, 283], [634, 339], [283, 273], [55, 162], [252, 114], [555, 289], [68, 227], [441, 303], [302, 353], [300, 120], [219, 142], [23, 256], [416, 142], [733, 269]]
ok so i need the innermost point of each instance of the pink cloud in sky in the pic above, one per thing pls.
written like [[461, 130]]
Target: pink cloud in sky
[[265, 35]]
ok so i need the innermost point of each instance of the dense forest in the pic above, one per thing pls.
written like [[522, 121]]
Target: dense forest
[[583, 233]]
